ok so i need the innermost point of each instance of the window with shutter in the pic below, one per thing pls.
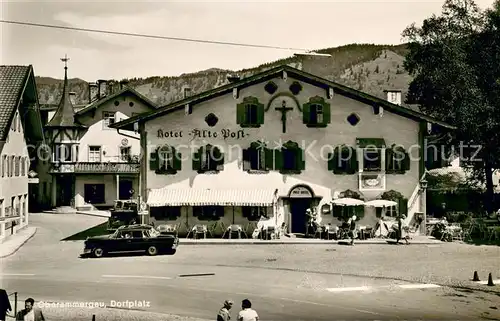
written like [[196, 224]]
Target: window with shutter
[[169, 160], [292, 158], [397, 160], [153, 161], [316, 113], [250, 113], [343, 160], [196, 161], [210, 159]]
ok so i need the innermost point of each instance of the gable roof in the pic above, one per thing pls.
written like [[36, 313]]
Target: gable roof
[[125, 90], [270, 74], [13, 80], [65, 113]]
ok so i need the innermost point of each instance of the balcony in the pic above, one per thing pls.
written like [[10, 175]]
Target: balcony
[[62, 168], [372, 181], [106, 168]]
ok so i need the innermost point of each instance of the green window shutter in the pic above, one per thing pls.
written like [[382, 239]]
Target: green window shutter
[[406, 162], [260, 114], [241, 113], [353, 167], [278, 159], [403, 206], [331, 161], [306, 113], [196, 159], [154, 163], [389, 156], [246, 160], [218, 156], [270, 158], [177, 161], [300, 159], [326, 114]]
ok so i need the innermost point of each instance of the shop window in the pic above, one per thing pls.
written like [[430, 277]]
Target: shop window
[[316, 113], [165, 213], [343, 160], [290, 159], [254, 213], [208, 213], [250, 113], [208, 159], [397, 160], [165, 160], [94, 193], [258, 158]]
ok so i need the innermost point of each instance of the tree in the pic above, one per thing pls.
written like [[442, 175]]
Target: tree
[[454, 60]]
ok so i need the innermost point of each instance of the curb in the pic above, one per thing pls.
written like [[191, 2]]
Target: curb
[[20, 245], [191, 242], [92, 214]]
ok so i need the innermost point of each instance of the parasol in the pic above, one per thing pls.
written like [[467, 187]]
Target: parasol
[[380, 203]]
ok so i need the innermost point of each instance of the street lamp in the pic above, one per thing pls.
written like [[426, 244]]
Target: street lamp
[[311, 53], [423, 184]]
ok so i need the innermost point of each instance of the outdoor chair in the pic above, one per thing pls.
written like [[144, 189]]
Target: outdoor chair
[[234, 228], [197, 230]]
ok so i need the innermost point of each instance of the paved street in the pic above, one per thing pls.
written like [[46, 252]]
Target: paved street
[[50, 270]]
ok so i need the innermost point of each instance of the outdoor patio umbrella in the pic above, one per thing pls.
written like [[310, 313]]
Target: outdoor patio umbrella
[[347, 201], [380, 204]]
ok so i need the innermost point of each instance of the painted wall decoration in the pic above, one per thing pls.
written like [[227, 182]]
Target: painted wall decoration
[[194, 133]]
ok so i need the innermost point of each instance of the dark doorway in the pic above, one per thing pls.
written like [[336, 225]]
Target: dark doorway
[[64, 190], [298, 207], [124, 189], [94, 193], [33, 206]]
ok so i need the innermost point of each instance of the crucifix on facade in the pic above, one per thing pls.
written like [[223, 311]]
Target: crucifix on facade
[[284, 110]]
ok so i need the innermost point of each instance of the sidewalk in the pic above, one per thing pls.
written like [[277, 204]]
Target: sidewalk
[[95, 213], [13, 243], [418, 240]]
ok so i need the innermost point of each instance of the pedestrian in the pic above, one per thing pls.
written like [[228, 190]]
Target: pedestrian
[[4, 305], [30, 313], [247, 313], [399, 232], [352, 228], [224, 314]]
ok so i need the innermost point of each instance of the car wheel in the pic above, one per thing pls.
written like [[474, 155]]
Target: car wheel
[[152, 250], [98, 252]]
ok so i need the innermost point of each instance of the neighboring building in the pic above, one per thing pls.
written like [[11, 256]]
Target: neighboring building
[[278, 143], [93, 165], [20, 136]]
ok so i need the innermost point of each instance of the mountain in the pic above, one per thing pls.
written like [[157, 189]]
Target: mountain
[[366, 67]]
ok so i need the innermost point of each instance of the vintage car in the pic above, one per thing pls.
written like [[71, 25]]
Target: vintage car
[[131, 238], [123, 213]]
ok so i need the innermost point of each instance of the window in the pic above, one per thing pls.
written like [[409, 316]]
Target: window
[[397, 160], [63, 153], [108, 118], [165, 160], [290, 159], [372, 160], [95, 154], [16, 165], [11, 169], [165, 213], [23, 166], [125, 153], [94, 193], [254, 213], [316, 113], [250, 113], [208, 159], [343, 160], [208, 213], [258, 158], [4, 165]]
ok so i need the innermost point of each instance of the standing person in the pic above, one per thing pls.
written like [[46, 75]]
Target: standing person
[[224, 314], [29, 313], [4, 305], [399, 232], [352, 228], [247, 313]]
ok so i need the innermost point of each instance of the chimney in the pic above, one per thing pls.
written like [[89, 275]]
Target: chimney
[[111, 87], [393, 96], [123, 84], [103, 90], [72, 98], [233, 78], [93, 92], [186, 91]]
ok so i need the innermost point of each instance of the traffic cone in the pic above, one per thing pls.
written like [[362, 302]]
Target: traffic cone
[[490, 280], [476, 277]]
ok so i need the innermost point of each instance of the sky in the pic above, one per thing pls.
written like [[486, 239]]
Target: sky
[[292, 24]]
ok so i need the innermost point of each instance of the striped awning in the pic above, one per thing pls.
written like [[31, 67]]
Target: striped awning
[[205, 197]]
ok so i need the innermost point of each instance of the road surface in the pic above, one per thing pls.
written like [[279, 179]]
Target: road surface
[[51, 271]]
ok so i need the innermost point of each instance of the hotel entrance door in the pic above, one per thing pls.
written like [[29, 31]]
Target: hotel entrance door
[[300, 199]]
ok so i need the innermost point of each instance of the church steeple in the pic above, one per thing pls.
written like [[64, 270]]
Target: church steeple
[[65, 113]]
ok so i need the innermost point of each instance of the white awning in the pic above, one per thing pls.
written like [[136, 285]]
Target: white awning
[[205, 197]]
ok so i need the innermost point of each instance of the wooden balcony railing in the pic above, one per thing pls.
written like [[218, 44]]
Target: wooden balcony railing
[[89, 167]]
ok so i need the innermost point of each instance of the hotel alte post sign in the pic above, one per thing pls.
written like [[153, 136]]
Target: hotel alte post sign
[[203, 133]]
